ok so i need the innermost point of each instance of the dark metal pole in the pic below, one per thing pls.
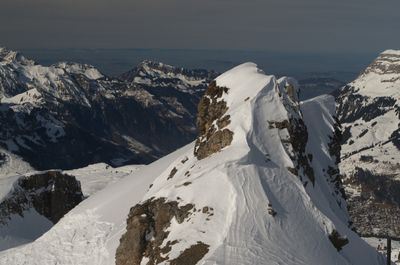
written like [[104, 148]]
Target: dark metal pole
[[389, 250]]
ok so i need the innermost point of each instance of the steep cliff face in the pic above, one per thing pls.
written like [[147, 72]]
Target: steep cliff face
[[73, 115], [212, 122], [368, 109]]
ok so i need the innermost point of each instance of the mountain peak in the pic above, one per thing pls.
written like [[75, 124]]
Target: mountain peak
[[390, 51], [250, 176], [230, 97], [87, 70], [151, 73], [156, 65], [8, 56], [381, 78], [388, 62]]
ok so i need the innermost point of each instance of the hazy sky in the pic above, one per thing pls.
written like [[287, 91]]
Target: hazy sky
[[277, 25]]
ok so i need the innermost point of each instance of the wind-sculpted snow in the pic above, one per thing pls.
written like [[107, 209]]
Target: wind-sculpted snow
[[252, 202]]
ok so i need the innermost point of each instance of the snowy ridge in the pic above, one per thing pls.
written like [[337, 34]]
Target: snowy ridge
[[248, 233], [248, 205], [94, 178], [88, 70], [8, 56]]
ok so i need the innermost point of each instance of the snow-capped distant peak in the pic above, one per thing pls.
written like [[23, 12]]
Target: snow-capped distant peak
[[390, 51], [156, 74], [387, 63], [381, 77], [84, 69], [149, 64], [9, 56]]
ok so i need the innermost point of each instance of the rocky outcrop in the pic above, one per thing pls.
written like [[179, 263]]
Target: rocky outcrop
[[337, 240], [298, 137], [334, 150], [211, 122], [52, 194], [147, 231], [191, 255], [353, 106]]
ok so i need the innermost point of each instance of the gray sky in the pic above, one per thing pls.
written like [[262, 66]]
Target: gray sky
[[277, 25]]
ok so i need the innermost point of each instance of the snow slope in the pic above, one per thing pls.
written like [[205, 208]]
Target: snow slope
[[234, 192], [96, 177], [18, 229], [12, 164], [90, 233]]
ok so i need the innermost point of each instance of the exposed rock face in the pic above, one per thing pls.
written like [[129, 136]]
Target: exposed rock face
[[337, 240], [352, 110], [368, 108], [147, 226], [211, 122], [388, 62], [298, 141], [73, 115], [334, 151], [52, 194], [191, 255]]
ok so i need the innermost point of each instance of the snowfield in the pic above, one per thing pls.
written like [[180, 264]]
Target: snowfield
[[240, 187], [96, 177]]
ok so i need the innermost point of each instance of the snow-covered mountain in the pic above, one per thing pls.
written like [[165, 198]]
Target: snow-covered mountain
[[260, 185], [155, 74], [369, 110], [73, 115]]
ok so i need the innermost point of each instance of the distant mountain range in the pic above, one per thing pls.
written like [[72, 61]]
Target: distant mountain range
[[73, 115], [301, 65]]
